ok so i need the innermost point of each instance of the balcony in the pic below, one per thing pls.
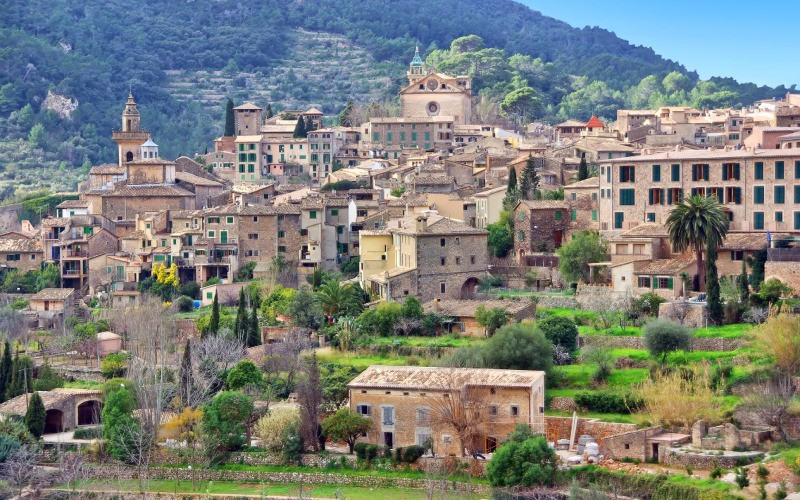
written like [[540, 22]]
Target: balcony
[[68, 253], [783, 254], [71, 272]]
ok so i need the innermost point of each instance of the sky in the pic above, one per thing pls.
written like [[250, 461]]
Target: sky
[[749, 42]]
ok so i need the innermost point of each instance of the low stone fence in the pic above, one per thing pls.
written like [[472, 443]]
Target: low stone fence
[[257, 476], [554, 301], [637, 342], [561, 427], [79, 372], [601, 298], [405, 350], [168, 456], [681, 457]]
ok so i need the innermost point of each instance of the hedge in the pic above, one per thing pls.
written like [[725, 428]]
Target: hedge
[[608, 402]]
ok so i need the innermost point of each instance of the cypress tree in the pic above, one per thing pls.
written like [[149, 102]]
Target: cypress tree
[[344, 115], [35, 416], [744, 286], [14, 384], [300, 128], [186, 374], [309, 125], [230, 130], [253, 330], [268, 112], [5, 370], [583, 170], [512, 180], [240, 327], [213, 323], [530, 180], [713, 300]]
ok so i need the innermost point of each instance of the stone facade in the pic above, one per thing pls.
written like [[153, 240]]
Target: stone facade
[[632, 444], [692, 314], [561, 428], [601, 298], [786, 272], [539, 226]]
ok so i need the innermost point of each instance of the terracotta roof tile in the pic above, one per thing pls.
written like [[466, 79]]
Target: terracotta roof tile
[[441, 378]]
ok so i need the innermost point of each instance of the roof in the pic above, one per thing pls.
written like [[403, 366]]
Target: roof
[[234, 209], [441, 378], [436, 225], [313, 111], [467, 308], [591, 182], [54, 398], [53, 294], [709, 154], [666, 266], [433, 180], [571, 123], [22, 244], [790, 137], [746, 241], [594, 122], [108, 336], [149, 143], [107, 170], [146, 190], [248, 105], [262, 267], [73, 204], [417, 60], [647, 229], [488, 192], [196, 180], [543, 204], [248, 138], [55, 221]]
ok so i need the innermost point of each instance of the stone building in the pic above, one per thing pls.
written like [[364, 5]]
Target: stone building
[[65, 409], [463, 313], [433, 94], [19, 251], [428, 256], [408, 405], [130, 139], [539, 226], [760, 189], [583, 200]]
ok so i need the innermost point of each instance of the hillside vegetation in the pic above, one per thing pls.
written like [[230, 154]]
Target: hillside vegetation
[[67, 65]]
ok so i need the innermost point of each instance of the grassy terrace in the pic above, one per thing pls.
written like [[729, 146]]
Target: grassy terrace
[[255, 489]]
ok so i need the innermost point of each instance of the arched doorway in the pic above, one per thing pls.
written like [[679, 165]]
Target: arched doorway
[[54, 421], [129, 156], [89, 412], [468, 288]]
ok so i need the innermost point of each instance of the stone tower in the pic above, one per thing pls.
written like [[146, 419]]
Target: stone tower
[[130, 139], [416, 70]]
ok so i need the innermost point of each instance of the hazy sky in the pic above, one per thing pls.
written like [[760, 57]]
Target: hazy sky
[[752, 42]]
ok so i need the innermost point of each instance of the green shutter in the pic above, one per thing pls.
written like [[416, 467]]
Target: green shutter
[[779, 170], [676, 173], [705, 172], [669, 283], [724, 171]]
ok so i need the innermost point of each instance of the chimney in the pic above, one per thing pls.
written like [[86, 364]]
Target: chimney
[[422, 223]]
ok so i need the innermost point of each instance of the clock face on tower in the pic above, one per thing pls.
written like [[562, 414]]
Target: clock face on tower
[[433, 84]]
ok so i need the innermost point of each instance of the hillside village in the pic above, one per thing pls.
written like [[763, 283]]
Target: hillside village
[[424, 305]]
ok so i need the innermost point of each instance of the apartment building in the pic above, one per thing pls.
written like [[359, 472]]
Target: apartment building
[[408, 405], [760, 189]]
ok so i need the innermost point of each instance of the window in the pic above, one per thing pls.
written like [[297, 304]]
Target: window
[[779, 216], [312, 214], [651, 216], [522, 216], [779, 194], [281, 248], [458, 260], [758, 172], [619, 218], [758, 195], [656, 197], [676, 173], [627, 196], [797, 169], [594, 215], [627, 174], [558, 215], [514, 410], [339, 229], [700, 172], [209, 295], [665, 283], [441, 242], [737, 255], [573, 215], [211, 234], [335, 212], [520, 236], [442, 287], [229, 220], [730, 171], [471, 259], [674, 196], [388, 415], [733, 195], [363, 409], [758, 220], [797, 194], [423, 416], [779, 170], [644, 281], [493, 410], [797, 220], [716, 192], [443, 260], [656, 173]]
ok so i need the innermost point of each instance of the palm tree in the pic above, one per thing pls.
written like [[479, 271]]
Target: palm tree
[[694, 223], [335, 298]]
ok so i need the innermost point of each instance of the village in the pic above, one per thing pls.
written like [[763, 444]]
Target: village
[[419, 305]]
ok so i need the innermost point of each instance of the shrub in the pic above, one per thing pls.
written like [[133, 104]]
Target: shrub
[[412, 453], [35, 416], [716, 472], [89, 433], [518, 347], [647, 304], [662, 337], [224, 420], [559, 330], [293, 446], [772, 290], [47, 379], [244, 374], [742, 481], [274, 427], [8, 446], [528, 463], [114, 365], [114, 384], [607, 402], [184, 303], [366, 451], [778, 338]]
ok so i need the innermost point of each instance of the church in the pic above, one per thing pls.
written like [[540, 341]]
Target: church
[[433, 94]]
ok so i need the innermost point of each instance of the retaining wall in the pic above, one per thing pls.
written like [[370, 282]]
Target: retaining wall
[[551, 302], [601, 298], [680, 457], [637, 342]]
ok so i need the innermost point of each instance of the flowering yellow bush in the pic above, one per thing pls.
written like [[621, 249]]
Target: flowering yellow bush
[[273, 427], [166, 276], [184, 426]]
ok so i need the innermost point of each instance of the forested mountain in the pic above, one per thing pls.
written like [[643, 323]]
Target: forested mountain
[[183, 58]]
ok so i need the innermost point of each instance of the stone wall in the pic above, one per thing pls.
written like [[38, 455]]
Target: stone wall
[[681, 457], [267, 476], [601, 298], [553, 302], [632, 444], [637, 342], [79, 373], [692, 314], [786, 272], [186, 328], [560, 428]]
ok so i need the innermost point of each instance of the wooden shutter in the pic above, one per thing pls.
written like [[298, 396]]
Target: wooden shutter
[[705, 172], [736, 171], [724, 171]]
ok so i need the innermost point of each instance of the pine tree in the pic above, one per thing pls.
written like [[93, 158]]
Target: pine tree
[[35, 416], [530, 180], [5, 370], [512, 180], [240, 327], [744, 285], [213, 322], [253, 330], [230, 129], [583, 170], [268, 112], [300, 129], [186, 374], [712, 285]]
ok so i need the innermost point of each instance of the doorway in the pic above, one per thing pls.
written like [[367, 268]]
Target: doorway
[[54, 421], [557, 238], [491, 444], [388, 439], [655, 452]]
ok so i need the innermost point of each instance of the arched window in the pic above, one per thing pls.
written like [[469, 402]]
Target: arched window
[[129, 156]]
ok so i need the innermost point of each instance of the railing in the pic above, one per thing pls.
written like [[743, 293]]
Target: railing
[[66, 254], [783, 254], [71, 272]]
